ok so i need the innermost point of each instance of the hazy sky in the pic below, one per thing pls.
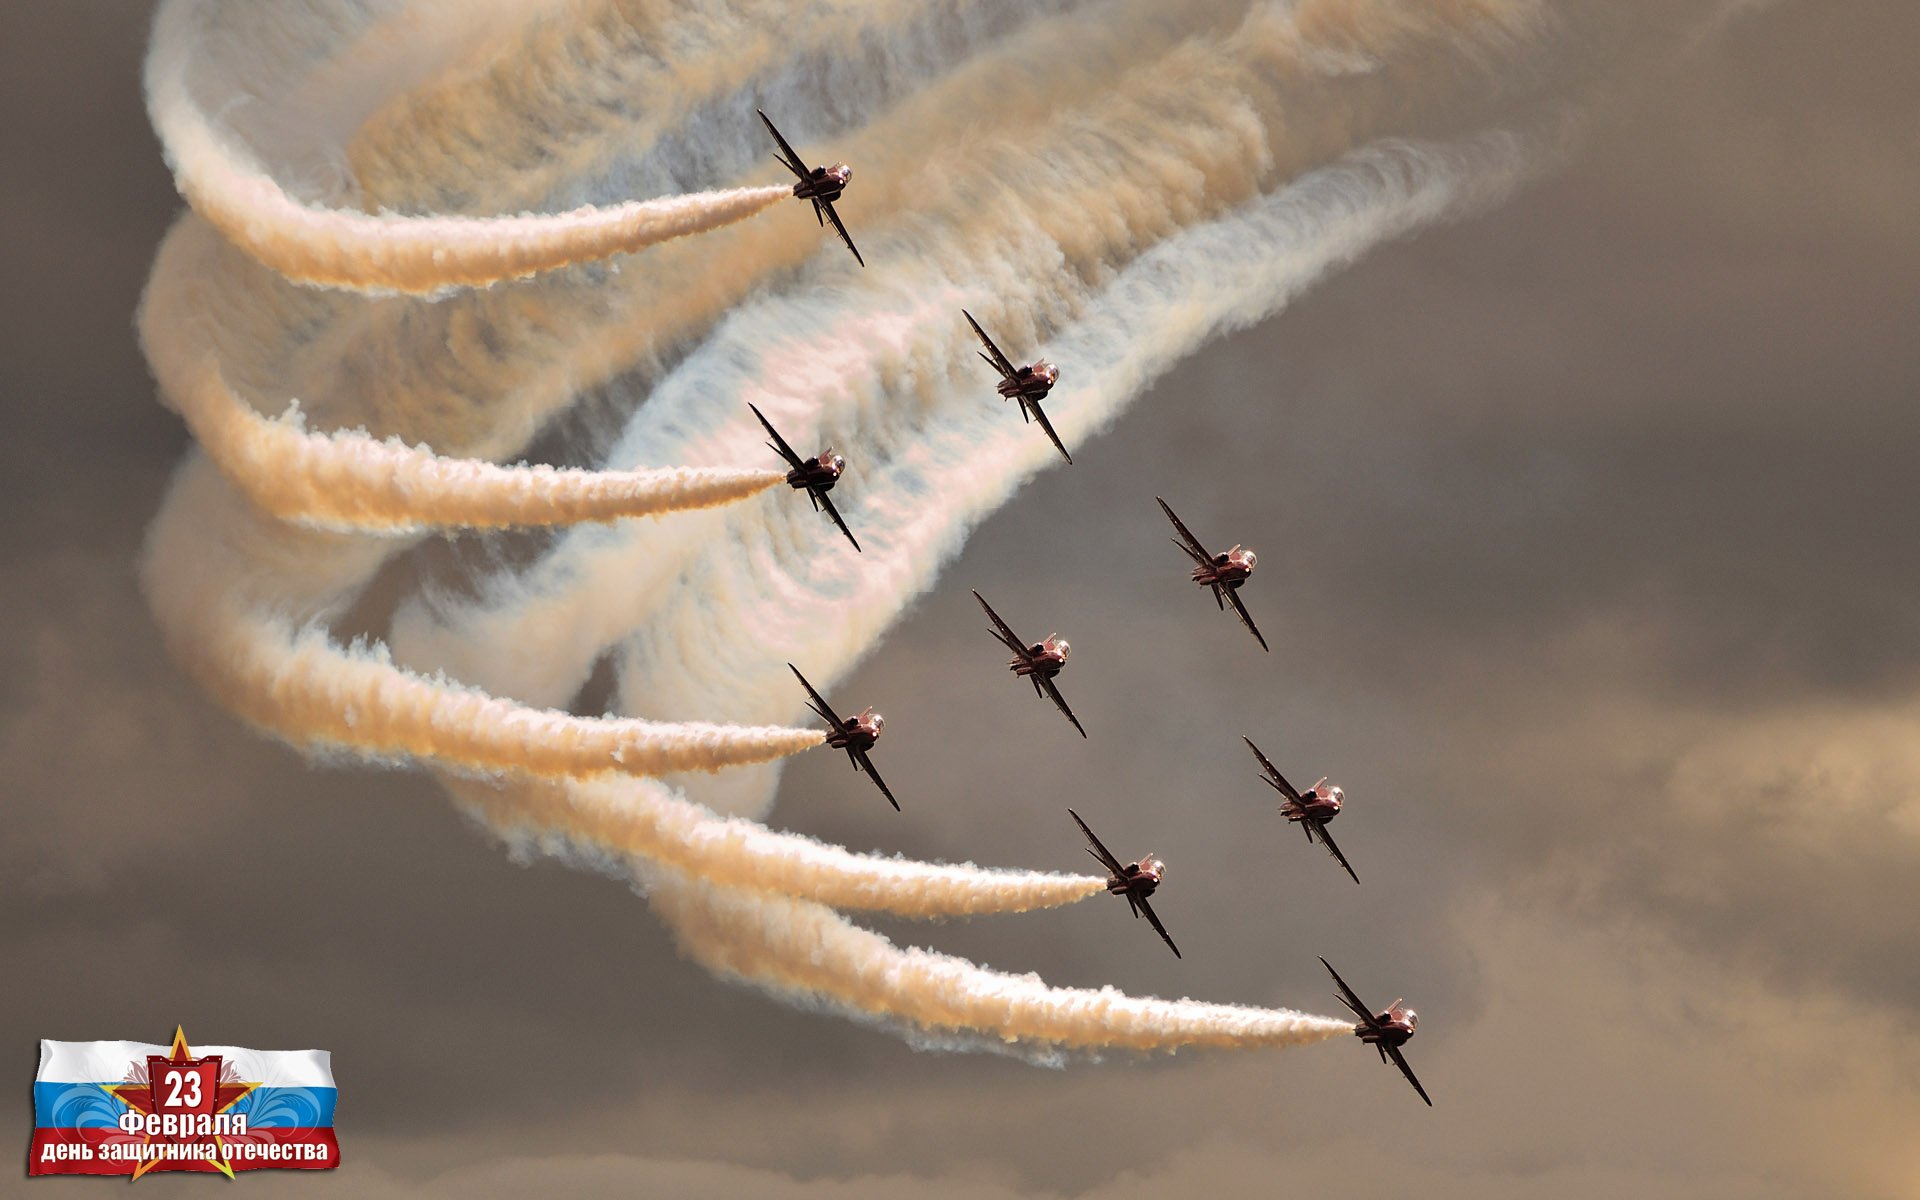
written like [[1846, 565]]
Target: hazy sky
[[1587, 559]]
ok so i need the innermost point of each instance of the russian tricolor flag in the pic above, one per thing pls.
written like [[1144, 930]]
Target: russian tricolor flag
[[124, 1108]]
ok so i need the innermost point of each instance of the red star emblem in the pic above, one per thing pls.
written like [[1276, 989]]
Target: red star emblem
[[182, 1085]]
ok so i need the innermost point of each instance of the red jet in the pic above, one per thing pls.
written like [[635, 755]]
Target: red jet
[[1223, 572], [816, 476], [1038, 662], [1385, 1031], [855, 736], [1311, 809], [822, 185], [1029, 385], [1135, 880]]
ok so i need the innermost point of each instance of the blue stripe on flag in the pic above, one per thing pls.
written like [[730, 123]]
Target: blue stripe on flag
[[87, 1105]]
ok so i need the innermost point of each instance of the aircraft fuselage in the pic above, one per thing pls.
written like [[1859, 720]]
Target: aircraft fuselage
[[824, 183], [1229, 569], [817, 474], [858, 734], [1044, 659], [1032, 382]]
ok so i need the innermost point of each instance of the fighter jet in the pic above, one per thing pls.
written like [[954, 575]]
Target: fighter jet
[[1223, 572], [1311, 809], [855, 736], [816, 476], [822, 185], [1039, 662], [1029, 385], [1135, 880], [1385, 1031]]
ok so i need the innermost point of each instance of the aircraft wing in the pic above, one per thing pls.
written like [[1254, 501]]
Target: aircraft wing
[[1401, 1062], [1007, 636], [1160, 929], [841, 230], [1186, 541], [1274, 776], [995, 359], [779, 444], [1347, 997], [1053, 693], [1099, 851], [787, 157], [826, 502], [1320, 827], [1047, 425], [864, 763], [1246, 618], [820, 706]]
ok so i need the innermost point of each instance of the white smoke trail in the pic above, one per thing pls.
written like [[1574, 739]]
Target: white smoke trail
[[379, 252], [202, 574], [626, 78], [809, 953], [643, 818], [350, 481]]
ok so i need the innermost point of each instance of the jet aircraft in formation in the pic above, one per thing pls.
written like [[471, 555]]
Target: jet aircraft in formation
[[1039, 662], [1135, 880], [822, 185], [1029, 384], [1311, 809], [1224, 572], [1386, 1031], [855, 735], [816, 476]]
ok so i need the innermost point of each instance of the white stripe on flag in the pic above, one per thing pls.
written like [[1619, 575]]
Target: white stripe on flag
[[107, 1062]]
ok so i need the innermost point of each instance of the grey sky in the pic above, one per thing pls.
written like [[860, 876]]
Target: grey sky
[[1586, 556]]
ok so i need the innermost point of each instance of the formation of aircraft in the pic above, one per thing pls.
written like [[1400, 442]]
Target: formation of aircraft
[[821, 185], [1222, 572], [1311, 809], [815, 476], [855, 735], [1135, 880], [1386, 1031], [1029, 384], [1039, 662]]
